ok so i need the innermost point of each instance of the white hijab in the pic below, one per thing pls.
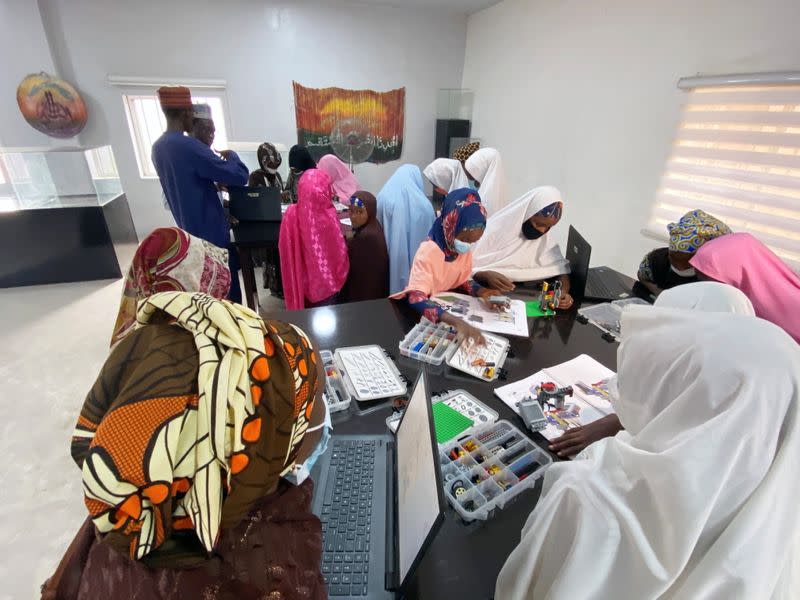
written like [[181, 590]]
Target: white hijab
[[486, 167], [504, 249], [447, 174], [698, 497], [707, 296]]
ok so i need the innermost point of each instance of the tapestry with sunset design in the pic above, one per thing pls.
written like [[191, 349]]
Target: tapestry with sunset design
[[318, 110]]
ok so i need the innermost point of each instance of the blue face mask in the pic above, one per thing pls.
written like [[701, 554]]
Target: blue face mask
[[462, 247], [301, 472]]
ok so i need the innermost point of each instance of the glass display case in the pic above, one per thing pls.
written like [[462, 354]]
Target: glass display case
[[455, 104], [63, 216], [34, 178]]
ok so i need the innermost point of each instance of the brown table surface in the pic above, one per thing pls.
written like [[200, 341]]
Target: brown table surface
[[465, 559]]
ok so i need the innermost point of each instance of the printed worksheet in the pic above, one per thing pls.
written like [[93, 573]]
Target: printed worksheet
[[592, 383], [510, 321]]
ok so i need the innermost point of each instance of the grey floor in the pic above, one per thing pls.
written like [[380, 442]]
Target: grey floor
[[55, 339]]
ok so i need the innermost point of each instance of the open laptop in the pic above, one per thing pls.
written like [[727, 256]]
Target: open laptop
[[600, 284], [381, 503], [255, 204]]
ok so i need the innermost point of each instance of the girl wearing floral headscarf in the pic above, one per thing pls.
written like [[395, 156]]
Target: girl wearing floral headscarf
[[444, 261], [269, 159], [664, 268]]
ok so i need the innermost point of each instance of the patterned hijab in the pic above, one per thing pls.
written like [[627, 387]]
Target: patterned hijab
[[188, 425], [462, 153], [694, 229], [314, 262], [171, 260], [268, 156], [462, 211]]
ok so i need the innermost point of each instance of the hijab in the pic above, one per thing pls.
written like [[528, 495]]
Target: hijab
[[171, 260], [462, 211], [343, 181], [741, 260], [447, 174], [707, 296], [188, 425], [697, 498], [694, 229], [369, 259], [269, 159], [504, 248], [406, 215], [486, 167], [300, 159], [313, 253]]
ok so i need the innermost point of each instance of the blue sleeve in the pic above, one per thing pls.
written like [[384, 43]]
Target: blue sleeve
[[210, 166]]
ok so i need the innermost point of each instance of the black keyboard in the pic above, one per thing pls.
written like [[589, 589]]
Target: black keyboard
[[597, 288], [347, 517]]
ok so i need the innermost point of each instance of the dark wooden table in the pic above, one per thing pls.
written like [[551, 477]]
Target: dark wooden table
[[464, 560]]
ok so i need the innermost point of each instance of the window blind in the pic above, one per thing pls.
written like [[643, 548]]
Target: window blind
[[737, 157]]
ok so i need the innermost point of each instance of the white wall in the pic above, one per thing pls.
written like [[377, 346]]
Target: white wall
[[24, 50], [258, 48], [582, 95]]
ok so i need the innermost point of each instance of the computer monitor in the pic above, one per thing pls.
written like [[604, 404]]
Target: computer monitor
[[255, 204], [420, 497], [579, 252]]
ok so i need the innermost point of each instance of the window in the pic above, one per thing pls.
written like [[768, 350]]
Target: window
[[147, 123], [737, 157]]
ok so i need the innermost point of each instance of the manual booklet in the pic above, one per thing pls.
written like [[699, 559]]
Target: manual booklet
[[590, 401]]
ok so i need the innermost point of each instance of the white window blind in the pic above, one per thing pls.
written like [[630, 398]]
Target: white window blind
[[737, 157]]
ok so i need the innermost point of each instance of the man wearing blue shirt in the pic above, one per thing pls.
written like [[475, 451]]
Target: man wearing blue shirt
[[188, 170]]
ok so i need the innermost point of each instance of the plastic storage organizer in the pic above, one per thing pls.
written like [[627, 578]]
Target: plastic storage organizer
[[483, 471], [335, 392], [437, 343]]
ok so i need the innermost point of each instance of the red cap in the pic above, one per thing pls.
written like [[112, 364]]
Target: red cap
[[175, 96]]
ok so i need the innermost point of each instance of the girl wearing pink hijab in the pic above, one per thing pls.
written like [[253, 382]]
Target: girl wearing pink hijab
[[343, 181], [742, 261], [314, 261]]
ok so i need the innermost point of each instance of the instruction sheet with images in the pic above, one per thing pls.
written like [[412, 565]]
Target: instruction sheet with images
[[592, 385], [512, 320]]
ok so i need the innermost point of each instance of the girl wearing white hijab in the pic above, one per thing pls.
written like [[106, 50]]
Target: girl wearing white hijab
[[707, 296], [446, 175], [486, 168], [518, 246], [698, 497], [703, 296]]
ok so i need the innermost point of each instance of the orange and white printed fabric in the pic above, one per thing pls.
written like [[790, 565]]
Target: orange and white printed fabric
[[189, 438]]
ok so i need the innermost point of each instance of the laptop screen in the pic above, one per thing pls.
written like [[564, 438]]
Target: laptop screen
[[419, 497]]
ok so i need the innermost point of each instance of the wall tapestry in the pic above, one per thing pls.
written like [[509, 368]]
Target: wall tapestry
[[51, 105], [356, 125]]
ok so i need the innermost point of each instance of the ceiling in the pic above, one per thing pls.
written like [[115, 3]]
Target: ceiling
[[467, 6]]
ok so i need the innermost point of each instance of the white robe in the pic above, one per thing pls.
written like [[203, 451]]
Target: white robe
[[486, 167], [504, 249], [447, 174], [697, 499], [707, 296]]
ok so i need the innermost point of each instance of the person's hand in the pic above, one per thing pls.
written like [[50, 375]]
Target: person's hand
[[469, 333], [232, 221], [498, 281], [575, 440], [565, 302], [226, 154], [484, 295]]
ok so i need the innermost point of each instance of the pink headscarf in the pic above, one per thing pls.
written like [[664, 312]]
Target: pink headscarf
[[343, 181], [742, 261], [314, 262]]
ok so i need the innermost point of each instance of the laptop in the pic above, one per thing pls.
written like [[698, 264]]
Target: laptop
[[255, 204], [599, 284], [381, 503]]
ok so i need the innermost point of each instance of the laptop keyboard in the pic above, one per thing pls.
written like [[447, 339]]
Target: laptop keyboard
[[597, 288], [347, 517]]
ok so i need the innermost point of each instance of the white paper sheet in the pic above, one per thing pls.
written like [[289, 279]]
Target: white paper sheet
[[511, 321], [347, 222], [585, 407]]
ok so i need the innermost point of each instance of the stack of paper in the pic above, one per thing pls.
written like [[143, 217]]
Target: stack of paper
[[590, 400]]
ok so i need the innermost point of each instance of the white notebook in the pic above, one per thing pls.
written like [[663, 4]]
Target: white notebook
[[589, 402]]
